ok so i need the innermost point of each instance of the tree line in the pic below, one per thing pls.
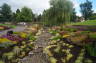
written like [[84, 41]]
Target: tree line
[[6, 14], [63, 11], [60, 12]]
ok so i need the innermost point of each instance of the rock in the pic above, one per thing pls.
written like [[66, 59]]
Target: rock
[[30, 54]]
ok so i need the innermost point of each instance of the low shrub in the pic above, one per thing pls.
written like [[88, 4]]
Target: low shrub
[[91, 50], [92, 35], [79, 40], [53, 32], [70, 29], [6, 44]]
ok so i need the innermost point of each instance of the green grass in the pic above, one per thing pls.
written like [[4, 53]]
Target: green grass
[[90, 22], [12, 26]]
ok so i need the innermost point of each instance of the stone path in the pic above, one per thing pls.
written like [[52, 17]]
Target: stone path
[[37, 55]]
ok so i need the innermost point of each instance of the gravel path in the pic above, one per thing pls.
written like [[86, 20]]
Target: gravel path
[[37, 55], [17, 29]]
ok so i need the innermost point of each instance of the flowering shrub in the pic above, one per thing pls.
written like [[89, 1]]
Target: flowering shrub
[[3, 27], [2, 40], [13, 37], [8, 40], [23, 35], [65, 36]]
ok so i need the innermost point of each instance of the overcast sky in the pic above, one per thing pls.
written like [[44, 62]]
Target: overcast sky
[[39, 5]]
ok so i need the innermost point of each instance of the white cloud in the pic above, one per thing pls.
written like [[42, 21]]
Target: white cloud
[[36, 5], [94, 11], [75, 3], [79, 14], [77, 7]]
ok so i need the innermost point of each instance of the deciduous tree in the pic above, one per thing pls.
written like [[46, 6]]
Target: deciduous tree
[[86, 9], [26, 14], [59, 12]]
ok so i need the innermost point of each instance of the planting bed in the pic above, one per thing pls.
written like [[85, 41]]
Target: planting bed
[[4, 28], [84, 27], [16, 45], [71, 46], [66, 45]]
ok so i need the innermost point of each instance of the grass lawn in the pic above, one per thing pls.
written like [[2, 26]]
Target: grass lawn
[[12, 26], [89, 22]]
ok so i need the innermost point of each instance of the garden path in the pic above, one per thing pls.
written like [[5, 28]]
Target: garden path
[[17, 29], [38, 55]]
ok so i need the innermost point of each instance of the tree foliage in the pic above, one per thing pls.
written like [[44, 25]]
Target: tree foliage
[[86, 9], [93, 17], [6, 12], [26, 14], [73, 16], [18, 15], [59, 12]]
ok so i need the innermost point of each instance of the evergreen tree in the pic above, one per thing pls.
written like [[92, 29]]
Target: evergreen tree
[[6, 12], [18, 15]]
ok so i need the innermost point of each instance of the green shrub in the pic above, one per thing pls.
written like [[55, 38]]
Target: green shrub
[[56, 37], [92, 35], [70, 29], [91, 49], [8, 56], [53, 32], [85, 32], [2, 61], [16, 50], [31, 37], [6, 44]]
